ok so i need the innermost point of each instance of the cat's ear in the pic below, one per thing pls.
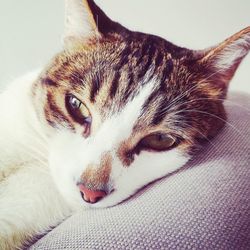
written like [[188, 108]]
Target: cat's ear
[[222, 60], [84, 19]]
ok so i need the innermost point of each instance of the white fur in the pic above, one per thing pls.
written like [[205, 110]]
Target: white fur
[[29, 200]]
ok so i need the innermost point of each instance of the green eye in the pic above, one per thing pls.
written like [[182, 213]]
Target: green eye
[[77, 109], [157, 142]]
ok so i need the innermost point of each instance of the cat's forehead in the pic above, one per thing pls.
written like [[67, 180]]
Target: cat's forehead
[[135, 49], [117, 67], [108, 74], [118, 73]]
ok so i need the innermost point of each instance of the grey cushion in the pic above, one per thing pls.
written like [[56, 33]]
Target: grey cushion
[[205, 205]]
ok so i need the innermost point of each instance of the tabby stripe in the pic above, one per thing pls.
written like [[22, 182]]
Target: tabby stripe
[[159, 115], [167, 70], [54, 111], [151, 98], [51, 123], [146, 67], [129, 86], [123, 61], [144, 50], [124, 58], [48, 81], [59, 116], [95, 87], [115, 84], [75, 78], [159, 59]]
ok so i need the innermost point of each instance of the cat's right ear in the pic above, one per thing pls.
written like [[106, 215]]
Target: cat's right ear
[[84, 20]]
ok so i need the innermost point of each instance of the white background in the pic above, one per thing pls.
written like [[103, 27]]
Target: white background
[[31, 31]]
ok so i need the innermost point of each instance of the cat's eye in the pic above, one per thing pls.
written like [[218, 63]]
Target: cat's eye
[[77, 110], [157, 142]]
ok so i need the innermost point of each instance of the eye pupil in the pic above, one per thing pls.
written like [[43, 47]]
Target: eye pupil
[[75, 103]]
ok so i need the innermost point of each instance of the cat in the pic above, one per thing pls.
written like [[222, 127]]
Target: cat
[[114, 111]]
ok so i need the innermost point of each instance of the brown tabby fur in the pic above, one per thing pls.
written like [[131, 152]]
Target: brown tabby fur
[[107, 70]]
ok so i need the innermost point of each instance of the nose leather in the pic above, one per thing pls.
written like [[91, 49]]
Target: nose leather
[[91, 196]]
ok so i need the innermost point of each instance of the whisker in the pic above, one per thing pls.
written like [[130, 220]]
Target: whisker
[[213, 115], [203, 135], [214, 73], [190, 90], [225, 100], [179, 97]]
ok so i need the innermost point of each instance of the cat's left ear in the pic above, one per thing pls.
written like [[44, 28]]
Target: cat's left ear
[[222, 61], [84, 19]]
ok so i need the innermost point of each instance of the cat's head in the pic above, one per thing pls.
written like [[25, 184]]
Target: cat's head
[[122, 108]]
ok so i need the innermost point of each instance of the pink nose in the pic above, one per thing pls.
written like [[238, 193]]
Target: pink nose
[[91, 196]]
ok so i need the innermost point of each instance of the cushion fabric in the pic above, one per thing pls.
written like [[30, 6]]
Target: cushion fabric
[[204, 205]]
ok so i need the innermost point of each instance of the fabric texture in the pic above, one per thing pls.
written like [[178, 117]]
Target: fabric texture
[[204, 205]]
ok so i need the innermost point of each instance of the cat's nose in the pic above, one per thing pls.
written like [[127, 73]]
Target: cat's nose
[[91, 196]]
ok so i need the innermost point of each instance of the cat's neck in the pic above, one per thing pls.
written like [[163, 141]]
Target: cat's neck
[[21, 139]]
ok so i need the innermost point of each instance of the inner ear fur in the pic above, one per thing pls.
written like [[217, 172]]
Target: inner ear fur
[[222, 60], [84, 20]]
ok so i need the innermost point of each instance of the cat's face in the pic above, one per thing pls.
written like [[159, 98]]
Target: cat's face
[[122, 109]]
